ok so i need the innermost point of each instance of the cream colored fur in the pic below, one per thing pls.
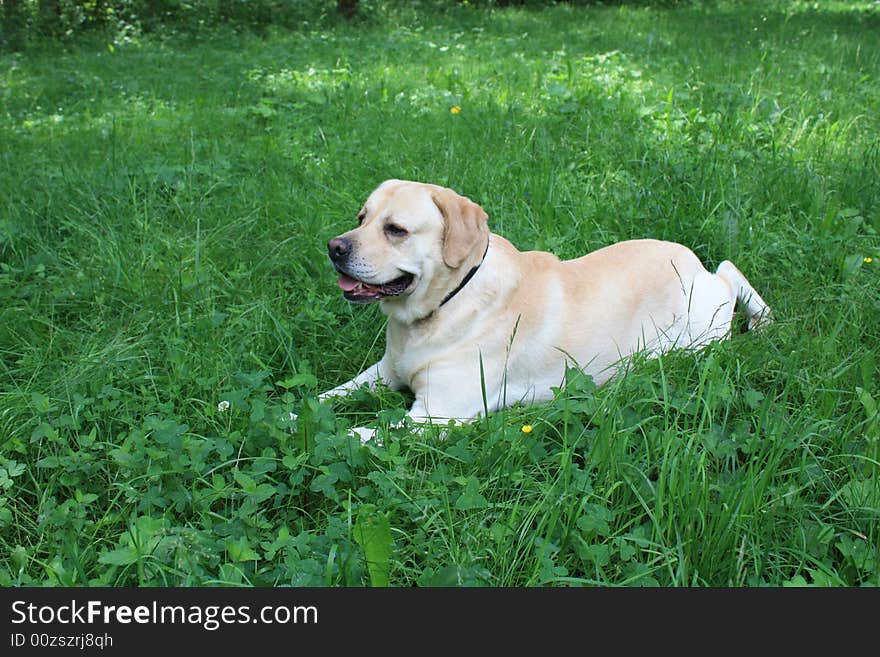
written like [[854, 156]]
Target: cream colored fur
[[525, 316]]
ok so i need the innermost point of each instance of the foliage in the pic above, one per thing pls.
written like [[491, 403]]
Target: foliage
[[165, 300], [26, 21]]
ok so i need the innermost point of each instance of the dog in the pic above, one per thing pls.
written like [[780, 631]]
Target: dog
[[474, 324]]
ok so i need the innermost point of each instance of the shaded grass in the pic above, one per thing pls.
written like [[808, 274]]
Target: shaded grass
[[163, 250]]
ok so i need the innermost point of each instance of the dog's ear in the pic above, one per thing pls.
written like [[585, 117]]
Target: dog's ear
[[465, 226]]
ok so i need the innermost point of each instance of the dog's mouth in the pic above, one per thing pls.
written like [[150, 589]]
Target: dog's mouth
[[355, 290]]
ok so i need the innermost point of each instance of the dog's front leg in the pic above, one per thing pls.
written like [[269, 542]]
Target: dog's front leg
[[419, 418], [416, 414], [370, 376]]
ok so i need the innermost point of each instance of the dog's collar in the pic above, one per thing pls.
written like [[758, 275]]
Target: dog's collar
[[467, 277]]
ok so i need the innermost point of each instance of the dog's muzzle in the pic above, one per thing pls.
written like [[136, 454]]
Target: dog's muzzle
[[340, 249]]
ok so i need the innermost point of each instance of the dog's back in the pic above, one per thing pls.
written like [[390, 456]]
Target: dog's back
[[638, 295]]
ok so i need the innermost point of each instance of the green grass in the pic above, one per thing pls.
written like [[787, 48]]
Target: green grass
[[167, 201]]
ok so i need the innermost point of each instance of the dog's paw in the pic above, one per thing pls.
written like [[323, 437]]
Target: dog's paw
[[292, 417], [366, 435], [761, 319], [361, 433]]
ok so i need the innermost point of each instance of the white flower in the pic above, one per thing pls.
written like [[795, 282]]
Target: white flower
[[222, 406]]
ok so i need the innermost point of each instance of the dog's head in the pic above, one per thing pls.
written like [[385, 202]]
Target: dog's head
[[412, 245]]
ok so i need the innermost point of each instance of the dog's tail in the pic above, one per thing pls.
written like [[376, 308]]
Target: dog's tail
[[756, 308]]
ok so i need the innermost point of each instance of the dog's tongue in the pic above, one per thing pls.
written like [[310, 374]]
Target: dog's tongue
[[347, 283]]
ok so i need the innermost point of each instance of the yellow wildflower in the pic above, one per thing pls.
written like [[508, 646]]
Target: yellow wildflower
[[527, 428], [869, 260], [455, 109]]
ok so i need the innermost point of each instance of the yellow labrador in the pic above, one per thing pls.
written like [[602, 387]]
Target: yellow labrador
[[463, 304]]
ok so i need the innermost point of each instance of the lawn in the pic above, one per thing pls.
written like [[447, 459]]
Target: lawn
[[167, 199]]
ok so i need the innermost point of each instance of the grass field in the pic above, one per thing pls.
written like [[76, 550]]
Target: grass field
[[167, 200]]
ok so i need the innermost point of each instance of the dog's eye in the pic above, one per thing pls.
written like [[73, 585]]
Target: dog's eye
[[395, 231], [361, 215]]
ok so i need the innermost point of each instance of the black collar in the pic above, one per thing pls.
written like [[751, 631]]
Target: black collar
[[467, 278]]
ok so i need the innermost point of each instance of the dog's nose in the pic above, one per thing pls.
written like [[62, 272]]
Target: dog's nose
[[339, 248]]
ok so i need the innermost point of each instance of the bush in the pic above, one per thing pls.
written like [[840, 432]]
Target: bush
[[26, 21]]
